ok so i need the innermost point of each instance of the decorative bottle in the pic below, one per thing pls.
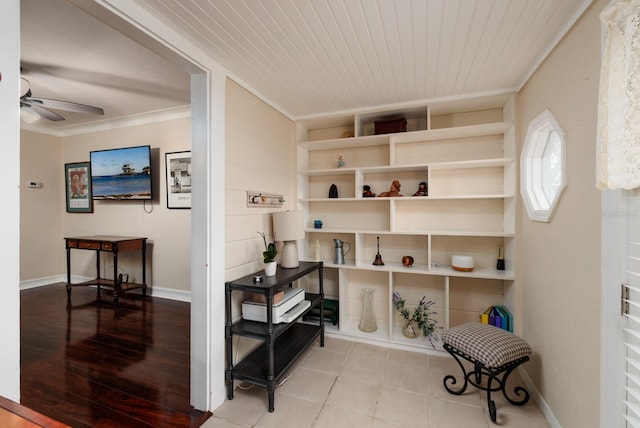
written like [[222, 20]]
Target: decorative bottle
[[368, 320]]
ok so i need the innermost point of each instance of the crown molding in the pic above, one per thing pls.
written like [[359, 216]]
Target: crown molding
[[109, 124]]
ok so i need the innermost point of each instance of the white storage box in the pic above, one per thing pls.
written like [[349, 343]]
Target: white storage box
[[287, 310]]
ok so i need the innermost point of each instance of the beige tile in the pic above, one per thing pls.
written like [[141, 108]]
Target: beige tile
[[406, 377], [379, 423], [215, 422], [407, 409], [337, 345], [470, 397], [447, 365], [371, 351], [331, 417], [363, 368], [446, 414], [354, 396], [290, 412], [509, 420], [245, 408], [348, 384], [324, 360], [309, 385], [402, 357], [503, 406]]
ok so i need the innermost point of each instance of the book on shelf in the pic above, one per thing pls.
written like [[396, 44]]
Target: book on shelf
[[484, 316], [498, 316]]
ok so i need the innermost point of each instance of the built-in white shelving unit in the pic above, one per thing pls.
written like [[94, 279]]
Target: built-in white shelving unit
[[465, 151]]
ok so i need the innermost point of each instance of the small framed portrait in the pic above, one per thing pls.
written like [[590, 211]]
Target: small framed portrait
[[77, 178], [178, 166]]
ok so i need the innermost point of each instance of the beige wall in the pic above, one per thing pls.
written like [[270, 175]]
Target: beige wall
[[41, 210], [260, 156], [168, 231], [559, 262]]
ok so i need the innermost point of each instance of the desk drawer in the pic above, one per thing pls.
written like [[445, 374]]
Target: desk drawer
[[107, 246], [88, 245]]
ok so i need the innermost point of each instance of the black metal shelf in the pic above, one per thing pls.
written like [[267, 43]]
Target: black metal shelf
[[287, 348], [258, 330], [282, 343]]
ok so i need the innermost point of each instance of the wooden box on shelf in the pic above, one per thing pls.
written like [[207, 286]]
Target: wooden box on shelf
[[390, 126]]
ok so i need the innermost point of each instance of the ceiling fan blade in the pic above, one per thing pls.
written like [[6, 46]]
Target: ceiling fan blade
[[64, 105], [47, 114]]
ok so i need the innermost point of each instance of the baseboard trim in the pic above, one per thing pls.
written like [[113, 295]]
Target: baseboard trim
[[535, 394], [160, 292]]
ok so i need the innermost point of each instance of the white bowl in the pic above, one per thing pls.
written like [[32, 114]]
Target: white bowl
[[462, 263]]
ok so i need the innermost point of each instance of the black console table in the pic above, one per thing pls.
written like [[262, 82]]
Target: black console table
[[282, 343]]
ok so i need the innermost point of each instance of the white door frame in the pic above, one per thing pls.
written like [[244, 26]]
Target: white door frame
[[615, 216], [208, 155]]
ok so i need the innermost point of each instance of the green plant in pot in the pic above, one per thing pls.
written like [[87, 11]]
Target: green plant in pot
[[269, 256]]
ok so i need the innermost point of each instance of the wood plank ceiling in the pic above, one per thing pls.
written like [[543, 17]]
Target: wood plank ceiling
[[310, 57], [306, 57]]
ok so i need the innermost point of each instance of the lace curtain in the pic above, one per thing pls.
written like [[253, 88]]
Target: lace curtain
[[618, 140]]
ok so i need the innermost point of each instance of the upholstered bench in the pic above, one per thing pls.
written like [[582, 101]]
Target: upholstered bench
[[494, 353]]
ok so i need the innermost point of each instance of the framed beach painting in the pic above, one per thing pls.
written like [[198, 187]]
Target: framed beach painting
[[178, 167], [77, 178]]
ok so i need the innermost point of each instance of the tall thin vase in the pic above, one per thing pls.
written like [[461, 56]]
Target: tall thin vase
[[368, 320]]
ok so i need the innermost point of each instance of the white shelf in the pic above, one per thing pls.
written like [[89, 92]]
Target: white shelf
[[411, 198], [467, 164], [478, 233], [471, 173]]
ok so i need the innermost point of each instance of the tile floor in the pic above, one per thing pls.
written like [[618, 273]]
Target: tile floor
[[349, 384]]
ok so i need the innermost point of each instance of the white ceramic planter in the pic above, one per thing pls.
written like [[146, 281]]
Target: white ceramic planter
[[270, 268]]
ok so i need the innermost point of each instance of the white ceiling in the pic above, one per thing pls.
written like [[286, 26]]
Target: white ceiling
[[308, 57]]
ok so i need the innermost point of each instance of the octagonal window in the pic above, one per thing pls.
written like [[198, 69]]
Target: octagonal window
[[542, 167]]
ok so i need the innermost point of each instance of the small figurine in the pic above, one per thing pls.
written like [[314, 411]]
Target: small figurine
[[378, 260], [422, 189], [366, 192], [341, 161], [393, 191], [333, 191], [500, 265]]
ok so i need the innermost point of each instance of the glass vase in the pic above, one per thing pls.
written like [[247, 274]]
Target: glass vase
[[410, 329], [368, 319]]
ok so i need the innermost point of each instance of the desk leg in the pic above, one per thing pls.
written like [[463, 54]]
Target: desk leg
[[99, 295], [68, 274], [116, 282], [144, 270]]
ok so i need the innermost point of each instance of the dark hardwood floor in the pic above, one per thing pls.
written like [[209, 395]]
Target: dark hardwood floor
[[99, 365]]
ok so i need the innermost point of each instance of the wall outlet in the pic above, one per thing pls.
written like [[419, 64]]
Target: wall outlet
[[34, 184]]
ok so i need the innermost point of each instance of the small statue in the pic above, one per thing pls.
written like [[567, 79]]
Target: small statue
[[422, 189], [378, 260], [340, 160], [366, 192], [394, 190], [333, 191]]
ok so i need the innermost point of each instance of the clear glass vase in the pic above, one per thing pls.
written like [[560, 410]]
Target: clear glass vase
[[368, 320]]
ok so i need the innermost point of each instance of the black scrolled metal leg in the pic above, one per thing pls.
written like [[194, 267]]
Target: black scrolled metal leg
[[452, 378], [517, 390], [490, 403]]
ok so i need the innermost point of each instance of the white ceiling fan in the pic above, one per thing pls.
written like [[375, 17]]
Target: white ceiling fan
[[33, 108]]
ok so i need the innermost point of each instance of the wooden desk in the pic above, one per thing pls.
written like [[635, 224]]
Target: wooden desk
[[114, 245]]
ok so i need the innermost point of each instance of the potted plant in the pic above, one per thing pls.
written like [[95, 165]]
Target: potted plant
[[269, 256], [419, 320]]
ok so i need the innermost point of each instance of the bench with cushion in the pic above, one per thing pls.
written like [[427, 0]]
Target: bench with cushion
[[494, 353]]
